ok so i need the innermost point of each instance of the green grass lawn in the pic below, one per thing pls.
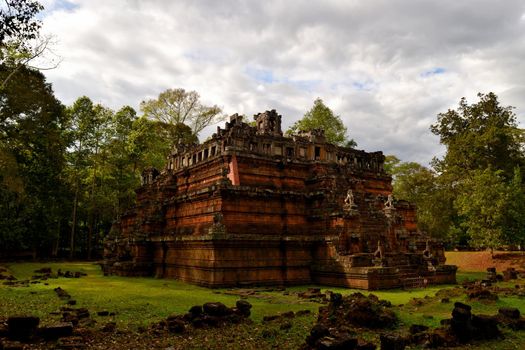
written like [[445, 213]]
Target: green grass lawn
[[138, 301], [142, 301]]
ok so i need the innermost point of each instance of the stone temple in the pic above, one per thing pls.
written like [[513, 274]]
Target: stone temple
[[253, 207]]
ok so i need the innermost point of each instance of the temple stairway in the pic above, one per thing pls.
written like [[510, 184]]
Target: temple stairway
[[410, 277]]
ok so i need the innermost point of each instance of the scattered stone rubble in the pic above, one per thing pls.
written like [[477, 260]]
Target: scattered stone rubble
[[333, 329], [66, 333], [509, 274], [42, 274], [212, 314], [339, 322], [17, 330], [5, 275]]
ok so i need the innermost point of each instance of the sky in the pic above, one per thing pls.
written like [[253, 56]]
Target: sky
[[386, 67]]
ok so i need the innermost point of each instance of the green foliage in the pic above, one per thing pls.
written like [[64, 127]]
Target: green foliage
[[482, 204], [481, 172], [421, 186], [514, 220], [390, 163], [18, 20], [492, 209], [107, 154], [67, 173], [20, 40], [479, 136], [32, 146], [178, 107], [322, 117]]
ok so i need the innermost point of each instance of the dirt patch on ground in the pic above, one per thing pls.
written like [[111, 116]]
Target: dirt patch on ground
[[480, 261]]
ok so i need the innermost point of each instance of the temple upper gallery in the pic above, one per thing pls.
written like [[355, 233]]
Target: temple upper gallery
[[251, 206]]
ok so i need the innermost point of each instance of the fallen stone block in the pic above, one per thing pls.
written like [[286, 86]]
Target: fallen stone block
[[176, 326], [417, 328], [216, 309], [11, 345], [329, 343], [109, 327], [486, 327], [22, 327], [317, 332], [392, 342], [55, 331], [509, 312], [75, 342], [44, 270]]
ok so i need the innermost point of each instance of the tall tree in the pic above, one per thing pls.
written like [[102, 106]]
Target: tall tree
[[32, 146], [478, 171], [86, 124], [178, 106], [478, 136], [322, 117]]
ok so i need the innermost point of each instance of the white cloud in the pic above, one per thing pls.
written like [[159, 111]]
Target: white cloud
[[386, 67]]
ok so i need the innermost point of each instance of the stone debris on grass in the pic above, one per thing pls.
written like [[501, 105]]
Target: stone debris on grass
[[283, 316], [332, 328], [344, 316], [11, 345], [480, 293], [211, 314], [56, 330], [74, 327], [464, 327], [61, 293], [22, 328], [510, 274], [511, 318], [7, 277], [74, 342], [109, 327], [75, 316]]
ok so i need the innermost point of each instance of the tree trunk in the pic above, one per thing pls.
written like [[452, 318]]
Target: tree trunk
[[91, 215], [56, 244], [95, 235], [73, 226]]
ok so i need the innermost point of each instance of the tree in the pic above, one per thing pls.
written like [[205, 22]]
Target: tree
[[482, 205], [20, 39], [86, 130], [479, 136], [481, 171], [32, 147], [322, 117], [107, 153], [18, 21], [391, 163], [421, 186], [177, 106], [514, 221]]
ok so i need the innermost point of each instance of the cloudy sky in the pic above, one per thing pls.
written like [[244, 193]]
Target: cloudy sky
[[386, 67]]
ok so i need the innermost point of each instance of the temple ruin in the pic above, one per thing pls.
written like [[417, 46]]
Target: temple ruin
[[253, 207]]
